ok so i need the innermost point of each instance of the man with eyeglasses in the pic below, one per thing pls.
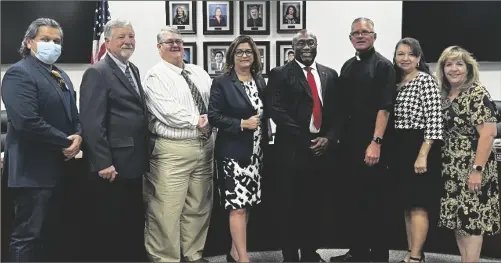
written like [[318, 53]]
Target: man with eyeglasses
[[302, 101], [178, 187], [368, 83]]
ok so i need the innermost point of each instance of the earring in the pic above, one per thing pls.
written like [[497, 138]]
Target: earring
[[418, 64]]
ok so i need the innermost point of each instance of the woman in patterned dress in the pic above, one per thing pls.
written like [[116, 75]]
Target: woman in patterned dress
[[236, 109], [470, 203], [418, 125]]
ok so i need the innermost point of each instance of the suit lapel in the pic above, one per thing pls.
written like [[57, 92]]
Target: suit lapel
[[121, 76], [54, 83], [323, 79], [135, 71], [240, 88], [298, 72]]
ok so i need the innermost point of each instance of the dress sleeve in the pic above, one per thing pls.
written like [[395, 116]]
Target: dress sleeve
[[431, 103], [482, 107]]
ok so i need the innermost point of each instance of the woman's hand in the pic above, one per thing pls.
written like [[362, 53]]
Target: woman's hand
[[420, 165], [474, 181]]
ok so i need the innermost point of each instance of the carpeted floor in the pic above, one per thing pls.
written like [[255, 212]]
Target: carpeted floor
[[326, 254]]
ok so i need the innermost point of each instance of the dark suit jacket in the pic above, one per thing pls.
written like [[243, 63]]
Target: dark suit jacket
[[114, 120], [213, 21], [255, 22], [228, 105], [39, 124], [290, 106]]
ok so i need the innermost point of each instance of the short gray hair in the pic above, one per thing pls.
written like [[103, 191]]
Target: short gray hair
[[160, 35], [32, 32], [363, 19], [115, 23]]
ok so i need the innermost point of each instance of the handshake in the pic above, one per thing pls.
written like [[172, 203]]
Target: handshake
[[204, 127]]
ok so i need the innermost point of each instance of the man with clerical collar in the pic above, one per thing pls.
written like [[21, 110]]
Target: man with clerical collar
[[368, 83]]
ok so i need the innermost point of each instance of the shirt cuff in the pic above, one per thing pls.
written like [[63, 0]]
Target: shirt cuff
[[241, 126]]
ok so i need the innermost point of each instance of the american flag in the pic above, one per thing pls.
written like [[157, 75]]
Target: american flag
[[101, 17]]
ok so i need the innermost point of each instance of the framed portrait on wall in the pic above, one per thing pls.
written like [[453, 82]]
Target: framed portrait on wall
[[190, 53], [182, 15], [255, 17], [215, 57], [264, 49], [284, 53], [291, 16], [218, 17]]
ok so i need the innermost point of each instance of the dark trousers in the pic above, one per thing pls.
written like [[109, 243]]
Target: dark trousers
[[367, 206], [36, 233], [116, 216], [302, 208]]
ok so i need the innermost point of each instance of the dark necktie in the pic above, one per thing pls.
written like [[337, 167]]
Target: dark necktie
[[131, 80], [317, 107], [195, 93], [197, 97], [62, 85]]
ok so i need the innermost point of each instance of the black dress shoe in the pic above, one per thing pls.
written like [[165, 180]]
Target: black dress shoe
[[343, 258], [315, 257], [290, 255], [229, 258]]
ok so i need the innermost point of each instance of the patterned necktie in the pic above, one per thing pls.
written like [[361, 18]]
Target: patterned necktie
[[59, 79], [62, 85], [195, 93], [131, 80], [317, 107]]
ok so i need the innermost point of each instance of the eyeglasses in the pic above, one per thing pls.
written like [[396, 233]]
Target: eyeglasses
[[363, 33], [310, 43], [240, 53], [171, 42]]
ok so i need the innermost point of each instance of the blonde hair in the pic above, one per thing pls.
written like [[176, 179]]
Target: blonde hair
[[457, 53]]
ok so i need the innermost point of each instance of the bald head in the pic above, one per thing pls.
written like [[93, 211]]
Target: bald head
[[303, 34], [305, 44]]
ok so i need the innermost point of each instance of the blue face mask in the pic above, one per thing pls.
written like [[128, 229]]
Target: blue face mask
[[48, 52]]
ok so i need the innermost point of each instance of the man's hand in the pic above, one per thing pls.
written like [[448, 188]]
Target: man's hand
[[74, 148], [108, 173], [372, 154], [251, 123], [204, 126], [319, 145]]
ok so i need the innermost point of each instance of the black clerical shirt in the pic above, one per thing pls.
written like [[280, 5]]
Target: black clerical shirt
[[368, 84]]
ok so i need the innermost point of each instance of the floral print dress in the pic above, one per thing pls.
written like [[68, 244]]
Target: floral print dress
[[469, 213]]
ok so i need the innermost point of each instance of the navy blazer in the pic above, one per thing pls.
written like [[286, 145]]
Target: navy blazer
[[38, 123], [228, 105]]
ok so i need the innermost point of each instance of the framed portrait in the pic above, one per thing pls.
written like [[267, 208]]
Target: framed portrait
[[284, 53], [183, 15], [215, 57], [255, 17], [218, 17], [264, 49], [291, 16], [190, 52]]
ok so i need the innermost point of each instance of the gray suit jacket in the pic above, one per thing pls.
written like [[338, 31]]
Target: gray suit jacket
[[114, 120]]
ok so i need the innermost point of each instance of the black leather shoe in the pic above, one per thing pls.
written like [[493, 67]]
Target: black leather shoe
[[342, 258], [315, 257], [290, 255], [229, 258]]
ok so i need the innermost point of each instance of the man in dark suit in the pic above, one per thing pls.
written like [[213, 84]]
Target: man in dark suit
[[43, 132], [254, 20], [115, 131], [302, 102]]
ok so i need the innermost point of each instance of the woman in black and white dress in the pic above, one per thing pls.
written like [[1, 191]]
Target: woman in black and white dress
[[236, 109], [418, 128]]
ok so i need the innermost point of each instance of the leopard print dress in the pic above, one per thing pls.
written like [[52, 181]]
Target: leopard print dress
[[242, 180]]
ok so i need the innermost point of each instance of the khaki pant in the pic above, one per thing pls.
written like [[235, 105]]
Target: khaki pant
[[178, 193]]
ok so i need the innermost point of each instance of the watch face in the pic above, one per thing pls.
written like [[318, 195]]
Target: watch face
[[478, 168]]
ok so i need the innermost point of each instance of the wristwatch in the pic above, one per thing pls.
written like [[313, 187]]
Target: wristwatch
[[478, 168], [378, 140]]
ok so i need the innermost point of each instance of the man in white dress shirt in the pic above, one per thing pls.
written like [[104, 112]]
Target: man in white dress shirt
[[178, 188]]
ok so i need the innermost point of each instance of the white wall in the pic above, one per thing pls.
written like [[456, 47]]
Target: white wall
[[329, 20]]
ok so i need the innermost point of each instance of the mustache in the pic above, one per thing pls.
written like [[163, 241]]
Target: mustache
[[128, 46]]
